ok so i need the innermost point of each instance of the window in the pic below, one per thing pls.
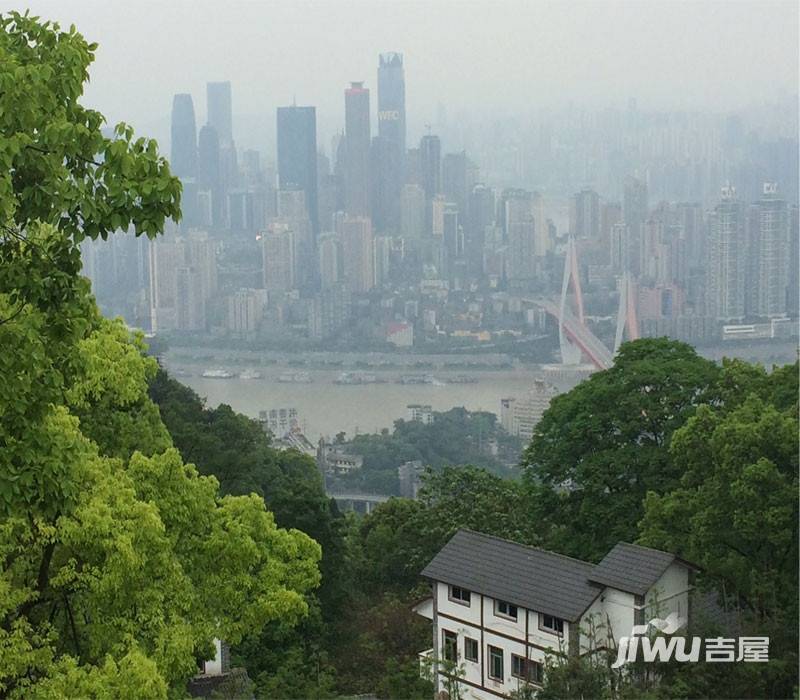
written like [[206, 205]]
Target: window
[[548, 623], [505, 609], [535, 672], [496, 663], [459, 595], [450, 645], [527, 670], [470, 649], [518, 665]]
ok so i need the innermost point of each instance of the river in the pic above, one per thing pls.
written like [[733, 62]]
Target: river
[[326, 408]]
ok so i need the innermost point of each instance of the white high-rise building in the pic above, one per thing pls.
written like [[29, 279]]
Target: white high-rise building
[[769, 255], [278, 250], [520, 416], [725, 286], [357, 254]]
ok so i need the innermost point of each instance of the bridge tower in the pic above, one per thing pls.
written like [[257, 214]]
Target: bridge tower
[[626, 314], [570, 352]]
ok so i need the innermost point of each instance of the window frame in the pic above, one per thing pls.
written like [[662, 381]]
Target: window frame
[[551, 630], [522, 663], [476, 646], [492, 658], [538, 665], [451, 595], [446, 638], [530, 671], [508, 615]]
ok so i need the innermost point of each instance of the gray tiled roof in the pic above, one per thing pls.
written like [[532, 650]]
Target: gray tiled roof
[[631, 568], [525, 576]]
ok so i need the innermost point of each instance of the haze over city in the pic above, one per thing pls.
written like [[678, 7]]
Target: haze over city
[[399, 350], [477, 59]]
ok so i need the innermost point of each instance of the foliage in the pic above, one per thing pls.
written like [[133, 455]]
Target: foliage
[[455, 437], [602, 446], [735, 513], [118, 562], [237, 451], [56, 164]]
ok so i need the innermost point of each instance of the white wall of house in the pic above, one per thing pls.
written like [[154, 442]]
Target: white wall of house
[[593, 624], [481, 621], [618, 612], [669, 594], [213, 667]]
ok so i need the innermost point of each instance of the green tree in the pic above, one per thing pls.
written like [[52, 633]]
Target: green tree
[[602, 446], [735, 513], [118, 562]]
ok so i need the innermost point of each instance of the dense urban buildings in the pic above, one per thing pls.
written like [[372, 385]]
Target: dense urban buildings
[[464, 246]]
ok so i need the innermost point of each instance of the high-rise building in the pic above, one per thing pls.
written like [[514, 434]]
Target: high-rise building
[[520, 230], [543, 236], [278, 250], [220, 110], [768, 254], [297, 156], [412, 212], [183, 149], [209, 178], [385, 168], [481, 215], [793, 287], [382, 253], [634, 214], [358, 139], [389, 152], [183, 276], [430, 156], [452, 242], [330, 260], [246, 310], [725, 284], [454, 181], [520, 416], [585, 215], [190, 301], [392, 100], [619, 247], [357, 254]]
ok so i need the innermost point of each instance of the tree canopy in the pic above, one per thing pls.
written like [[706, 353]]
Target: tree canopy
[[119, 563]]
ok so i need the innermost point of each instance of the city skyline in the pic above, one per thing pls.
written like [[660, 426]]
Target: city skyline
[[595, 54]]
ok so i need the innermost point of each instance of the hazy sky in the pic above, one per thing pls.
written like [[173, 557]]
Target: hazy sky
[[468, 54]]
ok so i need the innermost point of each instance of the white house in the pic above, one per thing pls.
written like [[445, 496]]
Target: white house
[[499, 608]]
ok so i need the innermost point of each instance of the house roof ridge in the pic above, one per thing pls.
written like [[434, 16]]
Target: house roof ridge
[[526, 546]]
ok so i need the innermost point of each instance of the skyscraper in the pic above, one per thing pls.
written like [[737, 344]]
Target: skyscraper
[[585, 214], [768, 253], [278, 250], [454, 181], [412, 212], [357, 254], [725, 288], [390, 151], [297, 156], [481, 216], [385, 168], [634, 214], [357, 134], [392, 100], [520, 230], [209, 178], [220, 110], [430, 155], [183, 151]]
